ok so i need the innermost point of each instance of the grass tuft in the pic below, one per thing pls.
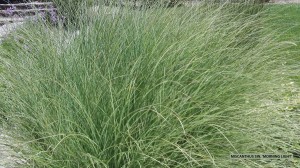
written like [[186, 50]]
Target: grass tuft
[[177, 87]]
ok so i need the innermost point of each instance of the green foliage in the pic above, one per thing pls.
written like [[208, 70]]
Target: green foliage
[[285, 20], [72, 10], [176, 87]]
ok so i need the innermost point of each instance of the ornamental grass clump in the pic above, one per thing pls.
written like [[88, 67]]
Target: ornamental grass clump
[[156, 87]]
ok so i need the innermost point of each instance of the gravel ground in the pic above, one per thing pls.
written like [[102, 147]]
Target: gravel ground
[[8, 28], [8, 157]]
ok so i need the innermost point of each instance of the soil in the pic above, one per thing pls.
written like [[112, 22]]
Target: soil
[[8, 157]]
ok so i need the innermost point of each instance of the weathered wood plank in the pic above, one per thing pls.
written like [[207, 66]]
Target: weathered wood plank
[[26, 6], [25, 12], [29, 3]]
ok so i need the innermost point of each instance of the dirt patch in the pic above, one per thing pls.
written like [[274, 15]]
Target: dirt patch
[[8, 157]]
